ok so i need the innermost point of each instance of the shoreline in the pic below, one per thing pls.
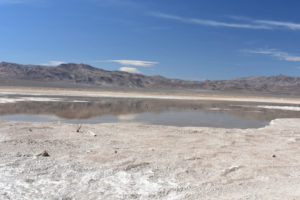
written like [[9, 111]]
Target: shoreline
[[139, 95]]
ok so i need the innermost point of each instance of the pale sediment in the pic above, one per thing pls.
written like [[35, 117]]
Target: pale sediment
[[136, 161], [142, 95]]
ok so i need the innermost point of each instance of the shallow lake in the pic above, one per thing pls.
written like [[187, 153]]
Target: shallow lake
[[79, 110]]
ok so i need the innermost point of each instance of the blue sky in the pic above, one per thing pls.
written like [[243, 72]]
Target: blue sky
[[191, 39]]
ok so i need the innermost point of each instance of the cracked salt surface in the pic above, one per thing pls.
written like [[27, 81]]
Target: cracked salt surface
[[68, 182]]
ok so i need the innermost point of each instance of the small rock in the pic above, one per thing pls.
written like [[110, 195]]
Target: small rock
[[44, 154], [292, 140], [29, 180], [78, 128], [231, 169], [19, 154], [67, 198], [92, 133]]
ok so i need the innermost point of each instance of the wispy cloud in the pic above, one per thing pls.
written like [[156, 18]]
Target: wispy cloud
[[210, 22], [130, 70], [230, 25], [244, 22], [53, 63], [137, 63], [278, 24], [276, 53]]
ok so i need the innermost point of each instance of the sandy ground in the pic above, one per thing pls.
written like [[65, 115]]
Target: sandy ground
[[137, 161]]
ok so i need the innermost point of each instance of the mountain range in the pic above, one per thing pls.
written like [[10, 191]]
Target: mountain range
[[85, 76]]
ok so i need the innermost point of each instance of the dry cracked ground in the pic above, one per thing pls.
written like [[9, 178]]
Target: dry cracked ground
[[138, 161]]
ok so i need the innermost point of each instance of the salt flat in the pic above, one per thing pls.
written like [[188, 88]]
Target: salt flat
[[146, 95], [137, 161]]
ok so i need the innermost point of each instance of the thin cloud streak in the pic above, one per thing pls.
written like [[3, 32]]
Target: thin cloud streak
[[53, 63], [137, 63], [210, 22], [289, 25], [276, 53], [248, 22], [230, 25]]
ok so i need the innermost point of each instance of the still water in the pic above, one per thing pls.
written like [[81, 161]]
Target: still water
[[150, 111]]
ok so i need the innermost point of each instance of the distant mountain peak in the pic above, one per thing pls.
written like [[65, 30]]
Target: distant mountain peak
[[75, 66], [282, 76], [82, 75]]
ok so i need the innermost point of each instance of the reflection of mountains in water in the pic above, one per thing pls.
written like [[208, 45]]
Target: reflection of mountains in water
[[84, 110]]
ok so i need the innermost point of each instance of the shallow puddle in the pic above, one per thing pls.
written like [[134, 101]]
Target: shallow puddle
[[221, 114]]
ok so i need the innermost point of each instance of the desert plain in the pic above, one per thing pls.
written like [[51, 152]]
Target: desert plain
[[143, 161]]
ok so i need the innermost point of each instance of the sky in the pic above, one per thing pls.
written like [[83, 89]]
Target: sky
[[186, 39]]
